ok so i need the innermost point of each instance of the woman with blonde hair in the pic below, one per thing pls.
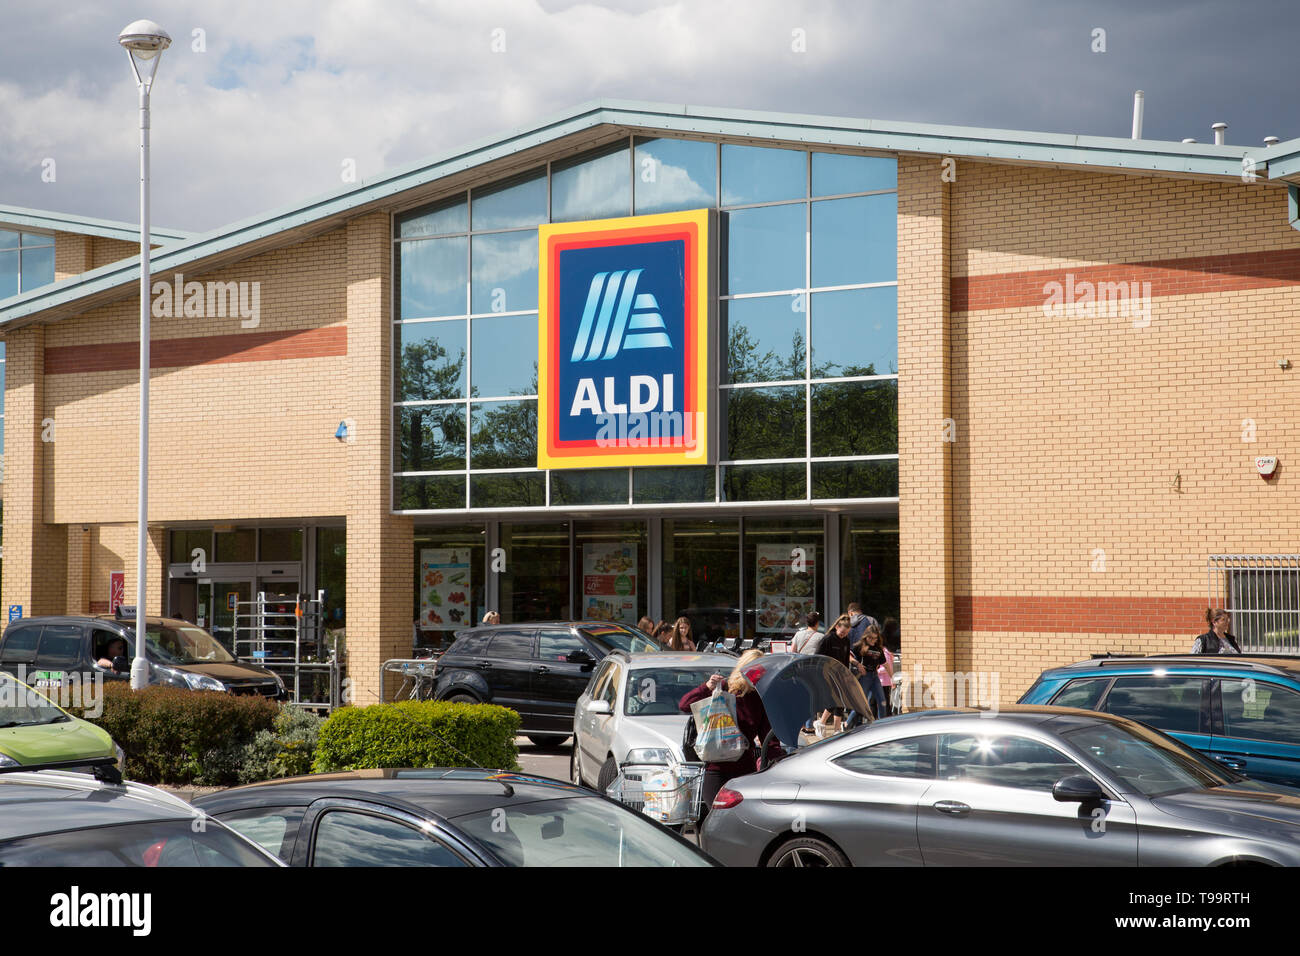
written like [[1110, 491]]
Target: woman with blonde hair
[[680, 638], [751, 718]]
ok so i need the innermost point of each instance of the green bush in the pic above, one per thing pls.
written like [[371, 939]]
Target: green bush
[[286, 750], [418, 734], [180, 736]]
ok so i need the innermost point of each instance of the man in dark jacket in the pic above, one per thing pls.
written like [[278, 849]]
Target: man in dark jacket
[[858, 623]]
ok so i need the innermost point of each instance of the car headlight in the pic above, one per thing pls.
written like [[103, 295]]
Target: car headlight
[[8, 761], [192, 681], [649, 755], [120, 754], [279, 682]]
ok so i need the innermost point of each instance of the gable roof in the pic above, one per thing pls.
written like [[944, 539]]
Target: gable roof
[[23, 217], [602, 121]]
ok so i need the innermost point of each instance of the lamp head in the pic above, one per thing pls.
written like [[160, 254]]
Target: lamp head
[[144, 39]]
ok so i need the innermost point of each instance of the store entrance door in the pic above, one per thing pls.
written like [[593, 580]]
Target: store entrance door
[[220, 598]]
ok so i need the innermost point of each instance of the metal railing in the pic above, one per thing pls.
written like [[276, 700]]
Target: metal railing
[[1262, 593], [291, 643]]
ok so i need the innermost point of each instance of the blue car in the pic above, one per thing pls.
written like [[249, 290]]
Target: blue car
[[1243, 712]]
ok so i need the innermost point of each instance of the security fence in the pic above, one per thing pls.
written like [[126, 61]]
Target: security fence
[[1262, 593]]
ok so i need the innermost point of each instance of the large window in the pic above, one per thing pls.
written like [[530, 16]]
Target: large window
[[26, 261], [807, 311]]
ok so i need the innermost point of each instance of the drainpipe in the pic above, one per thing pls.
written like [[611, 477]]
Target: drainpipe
[[1137, 114]]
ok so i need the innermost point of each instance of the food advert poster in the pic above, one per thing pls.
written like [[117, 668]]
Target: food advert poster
[[609, 582], [444, 588], [784, 594]]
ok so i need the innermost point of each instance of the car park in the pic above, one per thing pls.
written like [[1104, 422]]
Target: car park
[[627, 715], [536, 669], [446, 818], [1241, 711], [1023, 786], [34, 730], [180, 654], [54, 818]]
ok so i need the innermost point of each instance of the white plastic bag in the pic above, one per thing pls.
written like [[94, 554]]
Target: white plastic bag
[[718, 738]]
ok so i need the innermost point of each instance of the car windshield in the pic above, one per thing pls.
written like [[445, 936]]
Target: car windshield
[[577, 831], [158, 843], [22, 706], [1148, 763], [181, 645], [655, 691], [618, 639]]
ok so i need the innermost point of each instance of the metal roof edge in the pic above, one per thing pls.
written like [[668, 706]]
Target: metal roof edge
[[65, 222]]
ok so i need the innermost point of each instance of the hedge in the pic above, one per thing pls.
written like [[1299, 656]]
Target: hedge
[[171, 735], [417, 733]]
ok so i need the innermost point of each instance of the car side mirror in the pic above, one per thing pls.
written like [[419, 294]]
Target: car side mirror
[[599, 707], [1078, 789]]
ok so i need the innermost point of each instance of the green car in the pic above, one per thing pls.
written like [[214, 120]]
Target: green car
[[33, 730]]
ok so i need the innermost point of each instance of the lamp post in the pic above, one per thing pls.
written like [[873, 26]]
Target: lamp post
[[143, 41]]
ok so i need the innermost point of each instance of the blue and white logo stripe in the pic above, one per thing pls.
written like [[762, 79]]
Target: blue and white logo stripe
[[637, 322]]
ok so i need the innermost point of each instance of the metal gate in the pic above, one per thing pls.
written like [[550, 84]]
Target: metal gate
[[1262, 593], [287, 636]]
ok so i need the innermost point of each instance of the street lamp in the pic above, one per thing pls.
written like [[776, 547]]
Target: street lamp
[[143, 41]]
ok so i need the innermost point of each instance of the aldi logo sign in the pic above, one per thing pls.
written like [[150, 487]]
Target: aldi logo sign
[[625, 352]]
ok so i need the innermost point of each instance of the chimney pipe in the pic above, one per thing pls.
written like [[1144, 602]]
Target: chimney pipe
[[1271, 141], [1137, 114], [1219, 130]]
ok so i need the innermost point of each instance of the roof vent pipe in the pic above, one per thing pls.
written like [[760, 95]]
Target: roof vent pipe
[[1271, 141], [1137, 114], [1219, 130], [1189, 141]]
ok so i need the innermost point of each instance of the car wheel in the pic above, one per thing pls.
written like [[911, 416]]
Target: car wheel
[[575, 769], [461, 699], [807, 851], [608, 774], [547, 741]]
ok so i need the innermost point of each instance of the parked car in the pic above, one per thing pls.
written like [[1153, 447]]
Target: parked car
[[180, 654], [1242, 711], [55, 818], [35, 730], [444, 817], [627, 715], [537, 669], [1024, 786]]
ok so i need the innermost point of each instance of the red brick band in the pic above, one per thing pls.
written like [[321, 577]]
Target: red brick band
[[205, 350], [1192, 276], [1074, 615]]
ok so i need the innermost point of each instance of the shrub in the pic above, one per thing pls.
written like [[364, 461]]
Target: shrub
[[418, 734], [286, 750]]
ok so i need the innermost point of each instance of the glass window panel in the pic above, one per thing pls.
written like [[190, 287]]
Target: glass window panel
[[434, 274], [779, 595], [430, 438], [240, 545], [855, 418], [611, 559], [429, 493], [762, 174], [8, 274], [1002, 761], [505, 272], [518, 202], [507, 491], [504, 434], [184, 541], [765, 422], [331, 575], [436, 222], [505, 356], [280, 544], [764, 249], [765, 338], [36, 239], [431, 363], [913, 757], [594, 187], [869, 566], [1083, 694], [763, 482], [834, 174], [2, 351], [689, 483], [701, 575], [535, 584], [675, 174], [8, 239], [591, 486], [856, 479], [855, 332], [38, 267], [855, 240], [344, 838], [1170, 704], [1255, 710], [436, 623]]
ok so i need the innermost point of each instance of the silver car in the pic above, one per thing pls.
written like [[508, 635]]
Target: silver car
[[628, 715], [1026, 786]]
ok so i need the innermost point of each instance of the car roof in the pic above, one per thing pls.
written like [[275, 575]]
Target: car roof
[[669, 659], [52, 800], [441, 791], [97, 619], [1278, 665]]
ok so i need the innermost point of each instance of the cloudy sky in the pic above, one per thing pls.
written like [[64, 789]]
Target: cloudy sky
[[259, 104]]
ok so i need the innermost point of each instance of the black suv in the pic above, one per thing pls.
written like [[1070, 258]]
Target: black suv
[[180, 654], [537, 669]]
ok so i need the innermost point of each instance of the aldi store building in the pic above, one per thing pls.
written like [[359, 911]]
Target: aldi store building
[[644, 360]]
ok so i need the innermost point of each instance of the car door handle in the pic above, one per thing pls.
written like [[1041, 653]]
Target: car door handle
[[541, 670], [484, 665], [953, 808], [1232, 763]]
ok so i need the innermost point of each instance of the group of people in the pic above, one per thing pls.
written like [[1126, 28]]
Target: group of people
[[860, 643], [677, 636]]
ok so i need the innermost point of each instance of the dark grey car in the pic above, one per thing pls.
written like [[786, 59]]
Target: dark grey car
[[1026, 786]]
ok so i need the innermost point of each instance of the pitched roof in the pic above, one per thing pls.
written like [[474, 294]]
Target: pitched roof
[[25, 218]]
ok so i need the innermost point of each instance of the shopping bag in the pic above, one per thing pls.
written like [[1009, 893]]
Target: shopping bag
[[718, 738]]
